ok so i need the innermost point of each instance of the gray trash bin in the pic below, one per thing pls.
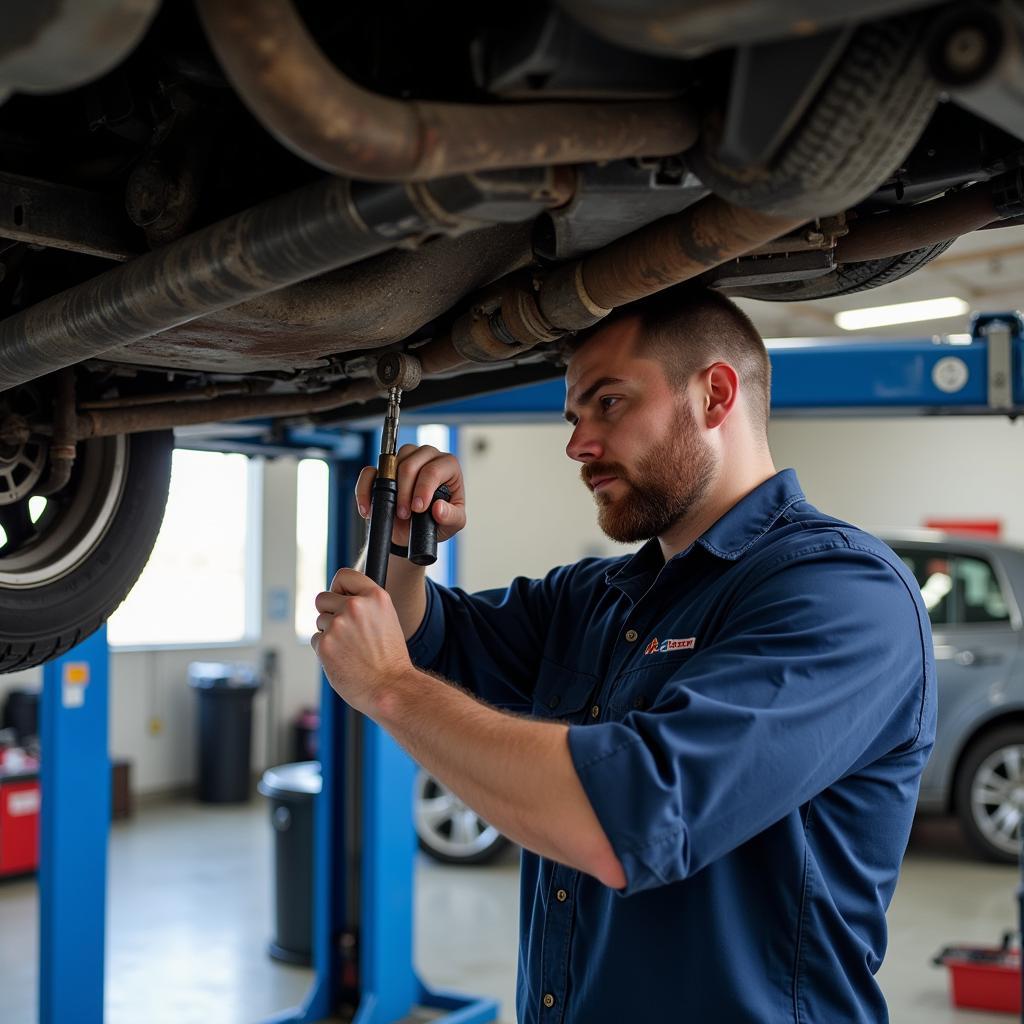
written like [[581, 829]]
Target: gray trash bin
[[290, 788], [225, 693]]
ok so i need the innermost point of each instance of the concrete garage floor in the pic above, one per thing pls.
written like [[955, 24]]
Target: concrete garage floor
[[190, 916]]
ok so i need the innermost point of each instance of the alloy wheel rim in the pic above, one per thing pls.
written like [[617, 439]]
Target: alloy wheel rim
[[44, 545], [446, 824], [997, 797]]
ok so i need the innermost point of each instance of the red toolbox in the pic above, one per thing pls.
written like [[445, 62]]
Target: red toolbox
[[984, 977], [19, 822]]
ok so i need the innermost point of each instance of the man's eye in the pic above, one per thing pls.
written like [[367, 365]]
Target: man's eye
[[607, 401]]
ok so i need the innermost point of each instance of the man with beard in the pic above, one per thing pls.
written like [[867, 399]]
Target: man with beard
[[709, 750]]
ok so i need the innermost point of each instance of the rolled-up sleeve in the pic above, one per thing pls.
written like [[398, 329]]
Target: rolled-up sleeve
[[821, 667]]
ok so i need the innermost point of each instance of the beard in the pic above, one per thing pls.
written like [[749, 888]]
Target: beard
[[671, 479]]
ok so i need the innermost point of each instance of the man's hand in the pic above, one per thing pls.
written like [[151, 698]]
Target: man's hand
[[421, 470], [359, 640]]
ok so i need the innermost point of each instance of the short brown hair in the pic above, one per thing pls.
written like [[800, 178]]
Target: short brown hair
[[687, 328]]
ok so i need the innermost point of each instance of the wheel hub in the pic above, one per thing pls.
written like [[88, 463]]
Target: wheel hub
[[21, 468], [22, 456]]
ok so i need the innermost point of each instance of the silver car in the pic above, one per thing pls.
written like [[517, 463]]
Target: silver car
[[972, 589]]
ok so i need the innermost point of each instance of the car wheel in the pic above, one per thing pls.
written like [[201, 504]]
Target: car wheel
[[450, 831], [989, 793], [68, 560], [846, 278], [862, 123]]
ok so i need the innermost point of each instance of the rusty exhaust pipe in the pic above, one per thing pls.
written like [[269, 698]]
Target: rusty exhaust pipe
[[579, 294], [139, 419], [312, 108], [329, 224], [890, 234]]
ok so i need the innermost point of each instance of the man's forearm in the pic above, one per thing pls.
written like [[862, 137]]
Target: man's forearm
[[516, 773]]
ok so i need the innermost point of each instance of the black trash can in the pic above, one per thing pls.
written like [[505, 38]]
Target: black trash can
[[290, 788], [225, 694], [21, 713]]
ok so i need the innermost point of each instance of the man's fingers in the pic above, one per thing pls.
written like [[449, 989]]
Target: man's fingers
[[451, 517], [410, 466], [443, 470], [329, 601], [364, 489], [323, 621], [352, 583]]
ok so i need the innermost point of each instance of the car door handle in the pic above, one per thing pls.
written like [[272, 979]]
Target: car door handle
[[970, 659], [965, 657]]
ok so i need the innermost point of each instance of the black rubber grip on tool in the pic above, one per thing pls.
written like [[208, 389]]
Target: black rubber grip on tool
[[382, 522], [423, 531]]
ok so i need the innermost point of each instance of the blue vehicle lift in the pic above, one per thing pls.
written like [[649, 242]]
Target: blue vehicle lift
[[930, 376]]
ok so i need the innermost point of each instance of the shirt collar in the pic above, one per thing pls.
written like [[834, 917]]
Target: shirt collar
[[752, 516], [735, 532]]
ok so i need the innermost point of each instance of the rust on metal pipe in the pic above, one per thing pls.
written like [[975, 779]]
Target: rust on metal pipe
[[284, 240], [313, 109], [891, 234], [440, 356], [139, 419], [676, 249], [577, 295], [192, 395], [63, 448]]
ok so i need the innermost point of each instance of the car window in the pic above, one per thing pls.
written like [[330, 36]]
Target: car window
[[980, 597], [957, 589], [934, 575]]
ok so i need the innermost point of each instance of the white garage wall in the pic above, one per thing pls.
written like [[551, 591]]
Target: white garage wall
[[897, 473], [528, 510]]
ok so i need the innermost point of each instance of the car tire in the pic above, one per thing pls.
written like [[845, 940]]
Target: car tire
[[64, 572], [447, 829], [861, 124], [989, 793], [846, 278]]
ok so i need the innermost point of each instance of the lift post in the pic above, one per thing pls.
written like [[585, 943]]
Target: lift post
[[367, 792], [74, 823]]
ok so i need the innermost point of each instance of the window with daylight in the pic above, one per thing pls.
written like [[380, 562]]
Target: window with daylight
[[311, 525], [310, 542], [199, 585]]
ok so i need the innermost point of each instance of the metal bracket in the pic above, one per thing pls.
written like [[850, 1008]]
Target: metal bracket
[[999, 336]]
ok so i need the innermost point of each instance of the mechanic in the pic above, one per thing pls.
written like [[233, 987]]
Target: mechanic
[[709, 750]]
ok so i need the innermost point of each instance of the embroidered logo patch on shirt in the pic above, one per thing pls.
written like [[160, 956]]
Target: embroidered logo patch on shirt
[[654, 647]]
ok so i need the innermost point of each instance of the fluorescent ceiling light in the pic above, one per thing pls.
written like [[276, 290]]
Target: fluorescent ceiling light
[[900, 313]]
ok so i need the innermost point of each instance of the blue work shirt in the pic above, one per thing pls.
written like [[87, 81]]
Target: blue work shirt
[[749, 721]]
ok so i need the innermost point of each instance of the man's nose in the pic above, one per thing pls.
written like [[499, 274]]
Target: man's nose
[[583, 446]]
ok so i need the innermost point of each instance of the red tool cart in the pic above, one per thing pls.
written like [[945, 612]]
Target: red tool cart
[[19, 821]]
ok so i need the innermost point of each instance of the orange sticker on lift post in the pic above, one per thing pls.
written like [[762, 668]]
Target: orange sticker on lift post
[[74, 680]]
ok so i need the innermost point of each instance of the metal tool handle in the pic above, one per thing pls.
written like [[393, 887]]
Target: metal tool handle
[[423, 531], [382, 522]]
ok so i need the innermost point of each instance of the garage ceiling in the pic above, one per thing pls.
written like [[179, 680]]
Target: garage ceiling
[[985, 268]]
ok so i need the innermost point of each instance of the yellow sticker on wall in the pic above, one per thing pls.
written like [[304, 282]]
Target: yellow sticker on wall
[[75, 680]]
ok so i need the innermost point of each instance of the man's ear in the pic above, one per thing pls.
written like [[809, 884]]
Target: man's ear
[[721, 389]]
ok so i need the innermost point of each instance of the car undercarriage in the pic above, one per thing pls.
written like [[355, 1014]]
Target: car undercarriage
[[234, 210]]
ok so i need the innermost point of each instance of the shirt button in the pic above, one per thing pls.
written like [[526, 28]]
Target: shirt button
[[631, 635], [561, 895], [553, 702], [595, 711], [549, 1000]]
